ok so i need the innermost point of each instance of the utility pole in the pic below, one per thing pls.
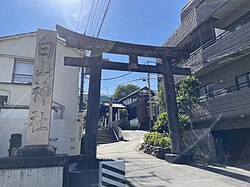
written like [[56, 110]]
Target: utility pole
[[81, 90], [150, 104], [110, 112]]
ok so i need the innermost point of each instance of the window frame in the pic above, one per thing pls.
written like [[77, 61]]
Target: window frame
[[238, 85], [6, 98], [206, 90], [23, 61]]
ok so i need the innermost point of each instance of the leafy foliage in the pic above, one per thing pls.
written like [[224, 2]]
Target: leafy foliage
[[124, 90], [157, 139], [161, 124], [124, 122], [188, 92], [161, 98]]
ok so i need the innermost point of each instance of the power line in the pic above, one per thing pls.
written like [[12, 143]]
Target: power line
[[105, 14], [100, 13], [120, 76], [112, 78], [79, 15], [142, 78], [93, 16], [90, 13], [122, 83]]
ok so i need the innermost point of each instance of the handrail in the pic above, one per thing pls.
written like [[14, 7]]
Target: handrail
[[225, 91], [117, 130]]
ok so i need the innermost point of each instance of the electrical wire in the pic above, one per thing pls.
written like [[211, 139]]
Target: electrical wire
[[120, 76], [103, 19], [112, 78], [90, 13], [93, 17], [79, 17], [142, 78], [100, 13]]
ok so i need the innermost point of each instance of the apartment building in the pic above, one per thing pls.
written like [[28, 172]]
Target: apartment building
[[218, 34], [17, 54]]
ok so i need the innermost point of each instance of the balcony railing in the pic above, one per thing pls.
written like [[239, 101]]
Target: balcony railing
[[20, 78], [235, 38], [225, 103], [225, 91]]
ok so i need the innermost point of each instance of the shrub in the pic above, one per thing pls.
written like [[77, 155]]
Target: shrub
[[165, 142], [161, 124], [157, 139], [124, 122]]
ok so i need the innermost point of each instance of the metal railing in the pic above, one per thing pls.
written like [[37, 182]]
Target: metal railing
[[215, 40], [20, 78], [225, 91]]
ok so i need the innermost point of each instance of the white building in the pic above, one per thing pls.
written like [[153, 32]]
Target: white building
[[17, 53]]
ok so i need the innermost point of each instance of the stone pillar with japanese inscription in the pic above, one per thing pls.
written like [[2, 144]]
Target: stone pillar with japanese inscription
[[42, 89]]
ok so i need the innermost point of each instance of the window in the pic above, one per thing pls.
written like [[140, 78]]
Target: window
[[243, 81], [23, 71], [207, 90], [3, 99]]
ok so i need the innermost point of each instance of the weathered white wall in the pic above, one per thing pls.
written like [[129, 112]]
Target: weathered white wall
[[6, 65], [32, 177], [66, 78], [19, 93], [64, 135]]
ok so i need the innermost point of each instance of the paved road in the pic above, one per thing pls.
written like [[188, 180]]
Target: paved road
[[145, 170]]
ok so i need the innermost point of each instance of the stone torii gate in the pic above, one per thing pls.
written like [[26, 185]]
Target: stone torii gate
[[96, 64]]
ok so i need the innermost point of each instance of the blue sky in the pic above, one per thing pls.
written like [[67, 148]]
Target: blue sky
[[136, 21]]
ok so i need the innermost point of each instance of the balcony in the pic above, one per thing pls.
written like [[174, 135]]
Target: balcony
[[185, 28], [224, 103], [229, 46], [195, 13]]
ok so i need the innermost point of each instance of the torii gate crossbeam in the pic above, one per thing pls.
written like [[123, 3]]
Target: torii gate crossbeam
[[96, 63]]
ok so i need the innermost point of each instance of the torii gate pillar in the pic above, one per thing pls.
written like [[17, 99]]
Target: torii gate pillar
[[93, 108], [172, 111]]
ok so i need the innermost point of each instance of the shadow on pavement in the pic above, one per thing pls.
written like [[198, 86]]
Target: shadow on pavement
[[223, 172], [128, 184]]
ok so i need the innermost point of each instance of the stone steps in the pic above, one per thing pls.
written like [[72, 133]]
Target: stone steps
[[106, 136]]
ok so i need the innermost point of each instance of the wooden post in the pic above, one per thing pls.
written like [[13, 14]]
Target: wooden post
[[170, 96], [93, 109], [42, 89]]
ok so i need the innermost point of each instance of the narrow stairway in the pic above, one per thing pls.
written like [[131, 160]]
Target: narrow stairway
[[106, 136]]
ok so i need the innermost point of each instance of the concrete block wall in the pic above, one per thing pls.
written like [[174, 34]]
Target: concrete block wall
[[202, 140]]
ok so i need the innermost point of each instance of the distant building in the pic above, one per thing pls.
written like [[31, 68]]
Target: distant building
[[137, 104], [17, 53], [218, 34]]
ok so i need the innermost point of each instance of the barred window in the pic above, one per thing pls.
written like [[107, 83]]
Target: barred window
[[23, 71]]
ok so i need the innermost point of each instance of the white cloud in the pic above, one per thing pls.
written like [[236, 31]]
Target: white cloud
[[70, 10]]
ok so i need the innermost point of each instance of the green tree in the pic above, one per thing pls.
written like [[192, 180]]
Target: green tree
[[187, 92], [186, 95], [161, 98], [124, 90]]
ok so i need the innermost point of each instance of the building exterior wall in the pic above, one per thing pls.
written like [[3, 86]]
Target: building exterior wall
[[65, 135], [66, 78], [39, 177], [65, 131], [200, 140]]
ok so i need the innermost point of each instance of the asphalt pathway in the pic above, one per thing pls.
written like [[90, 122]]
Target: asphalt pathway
[[146, 170]]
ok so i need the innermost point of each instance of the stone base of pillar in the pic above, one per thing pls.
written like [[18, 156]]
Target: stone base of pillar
[[178, 159], [35, 151], [35, 171]]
